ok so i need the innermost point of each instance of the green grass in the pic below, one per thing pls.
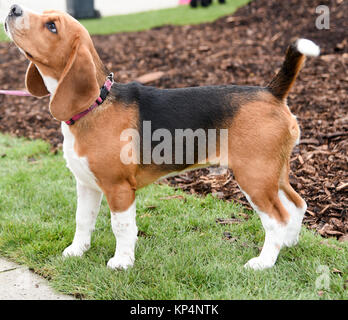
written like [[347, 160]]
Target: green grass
[[182, 253], [182, 15]]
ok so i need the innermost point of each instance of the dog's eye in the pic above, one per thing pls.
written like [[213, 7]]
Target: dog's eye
[[51, 26]]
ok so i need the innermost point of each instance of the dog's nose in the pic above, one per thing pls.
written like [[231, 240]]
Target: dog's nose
[[16, 11]]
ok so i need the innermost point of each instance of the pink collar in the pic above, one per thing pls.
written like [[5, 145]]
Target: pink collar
[[104, 91]]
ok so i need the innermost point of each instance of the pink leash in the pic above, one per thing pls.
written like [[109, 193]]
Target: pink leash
[[15, 93], [103, 94]]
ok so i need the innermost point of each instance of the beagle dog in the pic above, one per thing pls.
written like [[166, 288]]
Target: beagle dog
[[95, 112]]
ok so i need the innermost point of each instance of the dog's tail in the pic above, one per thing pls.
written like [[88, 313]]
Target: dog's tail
[[295, 56]]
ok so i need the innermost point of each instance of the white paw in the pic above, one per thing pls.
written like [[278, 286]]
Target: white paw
[[292, 240], [258, 264], [292, 234], [121, 262], [75, 250]]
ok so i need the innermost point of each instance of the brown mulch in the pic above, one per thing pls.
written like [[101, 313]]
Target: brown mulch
[[246, 48]]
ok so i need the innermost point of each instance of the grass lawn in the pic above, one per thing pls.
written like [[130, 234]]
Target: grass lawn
[[181, 253], [182, 15]]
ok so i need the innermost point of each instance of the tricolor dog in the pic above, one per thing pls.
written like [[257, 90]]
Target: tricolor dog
[[95, 111]]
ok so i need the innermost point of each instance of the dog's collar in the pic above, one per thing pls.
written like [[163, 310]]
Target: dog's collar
[[104, 91]]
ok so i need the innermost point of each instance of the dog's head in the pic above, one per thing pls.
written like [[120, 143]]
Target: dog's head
[[62, 59]]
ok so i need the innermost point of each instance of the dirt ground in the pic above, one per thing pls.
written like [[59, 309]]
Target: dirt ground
[[246, 48]]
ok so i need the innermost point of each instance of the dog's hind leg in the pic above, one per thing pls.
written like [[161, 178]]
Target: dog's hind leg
[[280, 209], [274, 219], [258, 179], [88, 205], [262, 136], [294, 204]]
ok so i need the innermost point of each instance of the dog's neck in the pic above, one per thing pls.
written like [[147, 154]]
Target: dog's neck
[[101, 70]]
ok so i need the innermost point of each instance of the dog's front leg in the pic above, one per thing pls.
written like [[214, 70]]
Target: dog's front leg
[[121, 200], [88, 205], [126, 231]]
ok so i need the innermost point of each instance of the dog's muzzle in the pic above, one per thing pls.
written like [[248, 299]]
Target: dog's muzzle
[[15, 11]]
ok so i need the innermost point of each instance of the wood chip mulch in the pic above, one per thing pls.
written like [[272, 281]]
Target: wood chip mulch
[[245, 48]]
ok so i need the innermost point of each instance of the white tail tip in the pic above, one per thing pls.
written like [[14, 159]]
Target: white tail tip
[[307, 47]]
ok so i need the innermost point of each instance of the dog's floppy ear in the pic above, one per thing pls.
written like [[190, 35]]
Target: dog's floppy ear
[[34, 82], [77, 87]]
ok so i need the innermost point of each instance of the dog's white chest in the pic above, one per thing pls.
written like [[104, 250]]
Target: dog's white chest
[[78, 165]]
